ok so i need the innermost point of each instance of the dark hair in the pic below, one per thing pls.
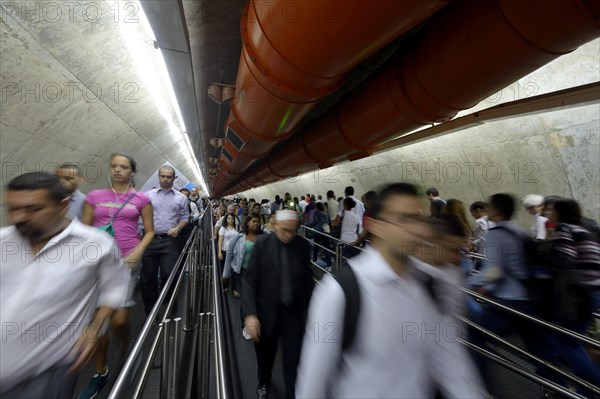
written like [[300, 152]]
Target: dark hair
[[503, 203], [349, 190], [567, 210], [330, 194], [370, 196], [129, 158], [478, 205], [71, 166], [227, 217], [168, 167], [433, 191], [184, 189], [550, 199], [39, 181], [320, 207], [349, 202], [452, 226], [389, 191], [251, 216]]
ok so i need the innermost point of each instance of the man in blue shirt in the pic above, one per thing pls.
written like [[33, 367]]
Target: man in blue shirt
[[502, 278], [171, 214]]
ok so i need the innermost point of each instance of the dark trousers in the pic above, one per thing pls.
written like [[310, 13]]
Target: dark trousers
[[290, 328], [326, 242], [161, 255]]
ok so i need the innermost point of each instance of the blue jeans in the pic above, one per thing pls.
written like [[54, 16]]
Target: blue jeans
[[571, 352]]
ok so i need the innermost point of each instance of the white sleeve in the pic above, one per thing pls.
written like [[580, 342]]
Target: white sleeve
[[540, 227], [113, 278], [222, 231], [322, 345]]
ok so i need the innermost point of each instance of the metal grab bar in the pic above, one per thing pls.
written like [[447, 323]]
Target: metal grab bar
[[583, 338], [529, 355], [527, 374], [222, 389]]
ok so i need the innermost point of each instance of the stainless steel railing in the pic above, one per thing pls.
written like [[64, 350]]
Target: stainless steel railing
[[170, 337]]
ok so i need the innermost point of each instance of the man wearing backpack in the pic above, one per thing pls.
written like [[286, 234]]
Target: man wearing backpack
[[384, 336], [503, 277]]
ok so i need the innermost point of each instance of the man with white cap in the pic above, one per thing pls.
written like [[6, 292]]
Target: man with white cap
[[533, 204], [276, 290]]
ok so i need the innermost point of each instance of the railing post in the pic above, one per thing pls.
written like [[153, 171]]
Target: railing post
[[165, 365], [201, 354], [175, 357], [339, 248], [190, 316]]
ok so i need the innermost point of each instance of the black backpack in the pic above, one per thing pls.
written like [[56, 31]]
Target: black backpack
[[552, 287], [347, 280]]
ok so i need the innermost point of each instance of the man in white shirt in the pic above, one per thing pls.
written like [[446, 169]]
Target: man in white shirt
[[60, 282], [332, 205], [70, 177], [359, 208], [403, 347]]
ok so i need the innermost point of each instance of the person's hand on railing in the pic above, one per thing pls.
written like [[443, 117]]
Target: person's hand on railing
[[225, 283], [252, 325]]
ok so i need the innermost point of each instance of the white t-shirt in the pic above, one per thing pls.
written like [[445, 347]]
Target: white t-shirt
[[350, 226], [227, 234]]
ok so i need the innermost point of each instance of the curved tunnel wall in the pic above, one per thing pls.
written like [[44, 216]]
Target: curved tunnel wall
[[551, 153]]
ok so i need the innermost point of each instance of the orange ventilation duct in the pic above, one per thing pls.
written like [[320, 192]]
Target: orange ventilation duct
[[292, 56], [467, 52]]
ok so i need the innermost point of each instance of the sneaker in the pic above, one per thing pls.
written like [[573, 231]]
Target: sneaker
[[246, 335], [95, 385]]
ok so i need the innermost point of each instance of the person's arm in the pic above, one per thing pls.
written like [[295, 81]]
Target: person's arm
[[336, 221], [249, 291], [135, 257], [113, 284], [87, 217], [322, 343], [86, 345], [221, 239], [184, 216]]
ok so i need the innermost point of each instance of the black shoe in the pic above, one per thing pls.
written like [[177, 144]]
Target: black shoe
[[262, 391]]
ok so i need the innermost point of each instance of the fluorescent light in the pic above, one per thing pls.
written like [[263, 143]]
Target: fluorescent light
[[151, 63]]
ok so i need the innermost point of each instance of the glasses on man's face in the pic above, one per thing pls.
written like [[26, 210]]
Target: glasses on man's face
[[400, 218]]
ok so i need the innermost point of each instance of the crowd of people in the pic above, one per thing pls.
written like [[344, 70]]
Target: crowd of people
[[384, 326], [490, 255], [70, 266]]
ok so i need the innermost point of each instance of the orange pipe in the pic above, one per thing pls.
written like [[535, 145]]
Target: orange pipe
[[280, 81], [469, 51]]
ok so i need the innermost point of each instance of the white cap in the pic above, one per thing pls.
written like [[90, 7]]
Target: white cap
[[286, 214], [532, 200]]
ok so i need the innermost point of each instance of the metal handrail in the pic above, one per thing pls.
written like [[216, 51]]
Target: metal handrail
[[527, 374], [529, 355], [222, 390], [540, 322], [128, 367]]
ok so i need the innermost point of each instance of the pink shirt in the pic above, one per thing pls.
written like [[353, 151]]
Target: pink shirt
[[106, 204]]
